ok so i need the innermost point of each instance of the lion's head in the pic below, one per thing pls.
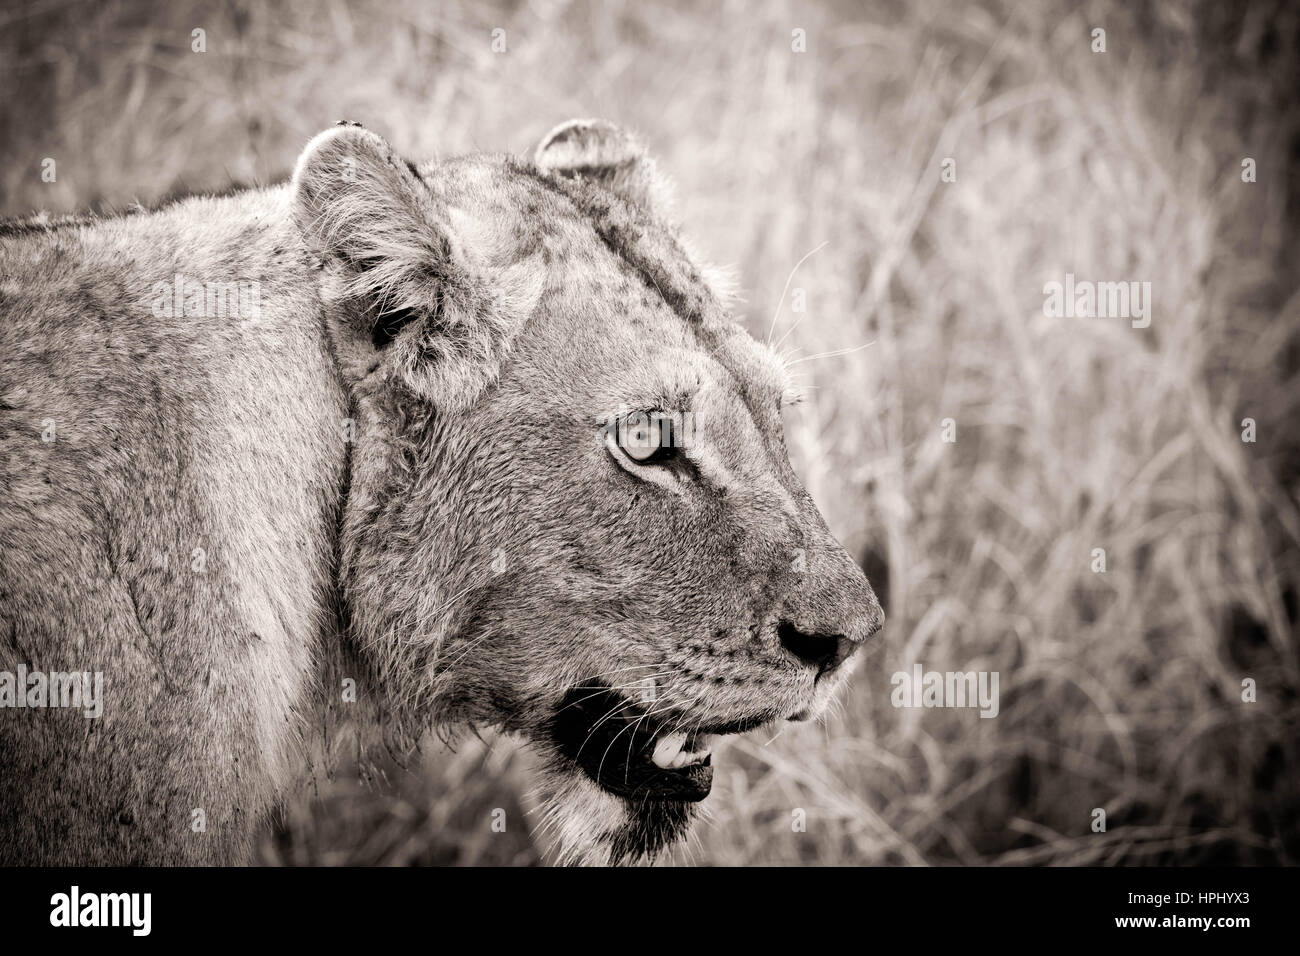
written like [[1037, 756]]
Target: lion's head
[[571, 512]]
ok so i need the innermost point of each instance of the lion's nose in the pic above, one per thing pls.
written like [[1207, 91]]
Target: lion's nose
[[822, 651]]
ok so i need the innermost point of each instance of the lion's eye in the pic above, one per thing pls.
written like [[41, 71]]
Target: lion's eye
[[646, 437], [641, 437]]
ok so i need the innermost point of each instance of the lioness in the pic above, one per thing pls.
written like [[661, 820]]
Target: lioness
[[471, 442]]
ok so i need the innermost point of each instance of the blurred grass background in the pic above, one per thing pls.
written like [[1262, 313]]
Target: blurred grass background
[[1120, 690]]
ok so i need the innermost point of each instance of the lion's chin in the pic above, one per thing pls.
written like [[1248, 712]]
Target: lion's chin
[[589, 826]]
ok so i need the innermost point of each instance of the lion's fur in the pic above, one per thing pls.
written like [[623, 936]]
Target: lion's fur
[[394, 476]]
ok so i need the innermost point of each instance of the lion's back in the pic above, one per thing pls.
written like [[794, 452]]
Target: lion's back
[[157, 527]]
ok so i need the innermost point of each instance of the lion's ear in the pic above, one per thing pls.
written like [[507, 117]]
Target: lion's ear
[[404, 282], [600, 151], [361, 205]]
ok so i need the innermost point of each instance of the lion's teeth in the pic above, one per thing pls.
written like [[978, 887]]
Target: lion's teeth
[[667, 749], [671, 753]]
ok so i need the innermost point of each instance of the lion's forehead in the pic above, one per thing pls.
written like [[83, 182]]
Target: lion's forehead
[[583, 240]]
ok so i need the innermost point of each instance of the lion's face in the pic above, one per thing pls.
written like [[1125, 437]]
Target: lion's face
[[603, 547]]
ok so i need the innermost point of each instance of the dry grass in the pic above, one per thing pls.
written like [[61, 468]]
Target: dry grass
[[1120, 690]]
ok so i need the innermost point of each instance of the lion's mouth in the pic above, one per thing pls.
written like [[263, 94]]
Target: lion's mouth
[[637, 751]]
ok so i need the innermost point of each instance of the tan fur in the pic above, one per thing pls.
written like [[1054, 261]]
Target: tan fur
[[396, 474]]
